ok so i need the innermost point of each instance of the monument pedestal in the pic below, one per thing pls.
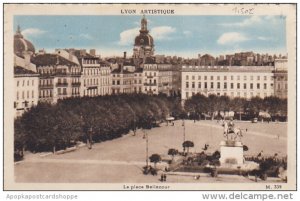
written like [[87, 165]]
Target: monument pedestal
[[231, 152]]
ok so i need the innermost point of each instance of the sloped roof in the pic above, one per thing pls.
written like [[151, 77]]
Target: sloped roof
[[18, 70], [118, 71], [51, 60]]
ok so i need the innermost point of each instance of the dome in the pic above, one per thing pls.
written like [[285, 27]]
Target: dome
[[144, 40], [21, 44]]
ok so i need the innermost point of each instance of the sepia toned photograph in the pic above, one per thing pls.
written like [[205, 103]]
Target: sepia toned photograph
[[149, 97]]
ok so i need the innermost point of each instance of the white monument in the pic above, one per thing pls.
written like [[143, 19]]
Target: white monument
[[231, 149], [231, 152]]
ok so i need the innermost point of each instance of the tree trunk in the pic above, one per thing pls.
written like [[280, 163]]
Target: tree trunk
[[23, 150], [54, 149]]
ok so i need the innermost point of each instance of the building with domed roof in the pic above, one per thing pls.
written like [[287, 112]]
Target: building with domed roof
[[21, 45], [26, 78], [143, 43]]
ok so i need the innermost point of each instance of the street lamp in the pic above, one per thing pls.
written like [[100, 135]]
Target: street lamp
[[134, 121], [183, 124], [145, 136], [147, 147]]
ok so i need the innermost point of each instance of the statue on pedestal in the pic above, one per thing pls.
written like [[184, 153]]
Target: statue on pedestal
[[231, 132]]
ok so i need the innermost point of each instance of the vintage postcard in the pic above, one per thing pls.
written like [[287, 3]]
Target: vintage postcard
[[149, 96]]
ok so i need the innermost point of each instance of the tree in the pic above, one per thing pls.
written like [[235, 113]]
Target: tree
[[255, 105], [40, 124], [187, 144], [275, 106], [155, 158], [212, 104], [19, 139], [223, 103], [172, 152], [49, 127], [237, 105]]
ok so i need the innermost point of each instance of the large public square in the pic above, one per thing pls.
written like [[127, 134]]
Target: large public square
[[121, 160]]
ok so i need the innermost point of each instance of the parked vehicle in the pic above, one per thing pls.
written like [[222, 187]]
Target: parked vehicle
[[254, 120]]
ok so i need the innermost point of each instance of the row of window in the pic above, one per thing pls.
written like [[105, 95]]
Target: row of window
[[62, 91], [46, 82], [96, 71], [23, 83], [127, 90], [128, 75], [150, 89], [282, 86], [96, 92], [25, 94], [160, 67], [49, 82], [95, 81], [49, 71], [75, 91], [225, 85], [46, 93], [150, 74], [90, 61], [281, 78], [24, 104], [232, 94], [232, 77], [62, 80], [126, 82]]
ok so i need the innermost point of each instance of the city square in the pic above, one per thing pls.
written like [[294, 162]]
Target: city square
[[121, 160]]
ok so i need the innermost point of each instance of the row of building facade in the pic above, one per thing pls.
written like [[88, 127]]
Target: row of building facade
[[236, 81], [44, 77]]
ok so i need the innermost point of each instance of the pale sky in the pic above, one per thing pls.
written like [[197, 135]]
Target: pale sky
[[185, 36]]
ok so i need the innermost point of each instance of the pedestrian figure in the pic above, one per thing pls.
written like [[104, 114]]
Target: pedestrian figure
[[162, 177], [165, 177], [197, 177]]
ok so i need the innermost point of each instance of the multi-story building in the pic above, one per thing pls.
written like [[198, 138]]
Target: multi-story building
[[25, 75], [26, 89], [122, 81], [176, 79], [126, 77], [138, 80], [59, 77], [91, 73], [105, 79], [232, 81], [157, 77], [95, 73], [281, 78]]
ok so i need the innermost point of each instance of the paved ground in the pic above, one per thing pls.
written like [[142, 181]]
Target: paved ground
[[121, 160]]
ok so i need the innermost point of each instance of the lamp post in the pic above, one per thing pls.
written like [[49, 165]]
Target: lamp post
[[134, 121], [183, 124], [145, 136], [147, 147]]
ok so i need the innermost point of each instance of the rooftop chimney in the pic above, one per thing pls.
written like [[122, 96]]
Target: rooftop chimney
[[93, 52], [124, 55]]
